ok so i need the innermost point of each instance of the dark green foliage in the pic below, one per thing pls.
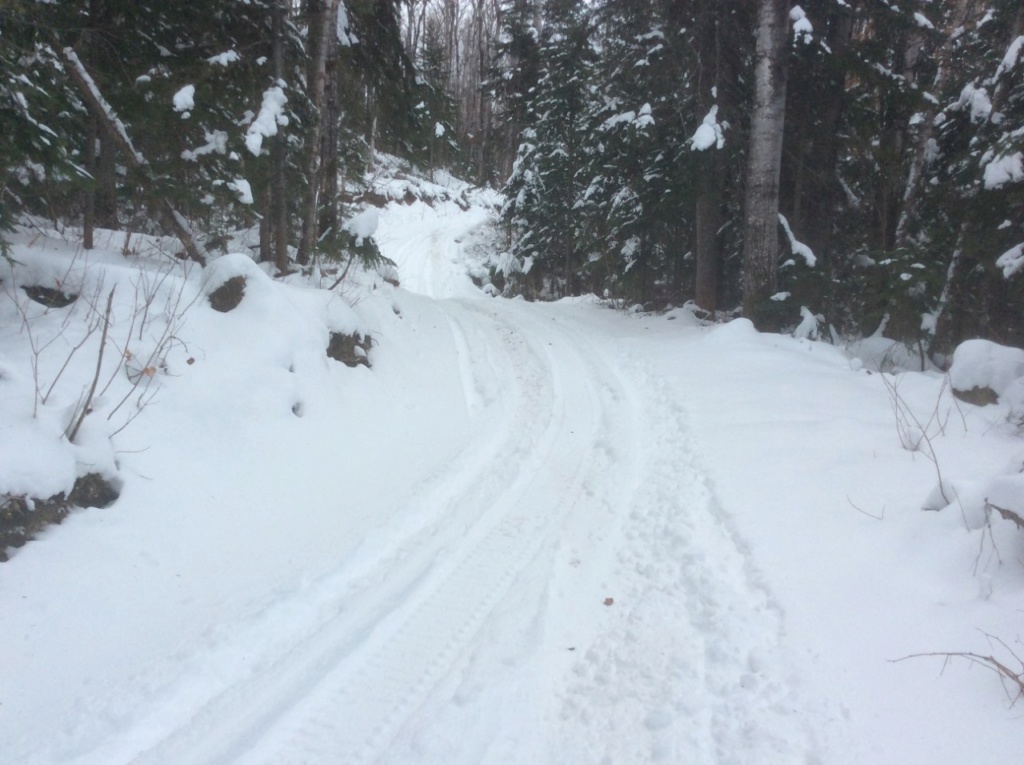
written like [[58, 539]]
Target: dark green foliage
[[548, 180], [39, 114], [902, 163], [187, 81]]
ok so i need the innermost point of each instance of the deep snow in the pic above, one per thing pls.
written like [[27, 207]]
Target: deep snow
[[531, 533]]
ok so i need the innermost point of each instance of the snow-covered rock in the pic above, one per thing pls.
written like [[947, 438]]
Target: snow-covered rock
[[983, 371]]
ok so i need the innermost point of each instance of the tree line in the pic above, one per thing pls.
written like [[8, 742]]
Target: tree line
[[201, 118], [861, 159]]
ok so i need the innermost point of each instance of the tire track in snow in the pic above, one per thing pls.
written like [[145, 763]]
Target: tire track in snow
[[373, 638], [689, 671], [358, 709]]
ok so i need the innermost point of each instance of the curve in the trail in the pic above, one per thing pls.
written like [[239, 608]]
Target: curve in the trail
[[426, 242], [579, 505], [369, 642], [357, 708]]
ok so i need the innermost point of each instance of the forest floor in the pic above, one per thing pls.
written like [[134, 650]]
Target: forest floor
[[530, 533]]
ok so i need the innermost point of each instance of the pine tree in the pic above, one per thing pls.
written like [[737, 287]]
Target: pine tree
[[514, 74], [40, 115], [546, 183]]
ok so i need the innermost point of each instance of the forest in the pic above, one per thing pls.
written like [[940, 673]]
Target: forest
[[856, 162]]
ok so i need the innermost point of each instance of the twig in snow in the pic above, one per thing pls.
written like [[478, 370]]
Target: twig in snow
[[865, 512], [1012, 681]]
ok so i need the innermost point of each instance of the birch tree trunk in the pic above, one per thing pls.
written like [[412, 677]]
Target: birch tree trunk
[[764, 160], [278, 207], [322, 20]]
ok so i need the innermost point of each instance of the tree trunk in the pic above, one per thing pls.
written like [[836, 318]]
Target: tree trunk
[[266, 229], [106, 183], [278, 207], [330, 213], [709, 217], [708, 209], [764, 160], [89, 212], [322, 15]]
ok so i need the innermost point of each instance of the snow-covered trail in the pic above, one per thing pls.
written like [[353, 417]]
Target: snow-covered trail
[[479, 631], [532, 533], [425, 244], [561, 587], [593, 594]]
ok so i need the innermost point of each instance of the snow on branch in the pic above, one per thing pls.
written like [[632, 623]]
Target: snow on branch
[[803, 30], [1012, 260], [86, 82], [922, 21], [1004, 169], [346, 36], [797, 248], [1010, 59], [709, 133], [271, 115]]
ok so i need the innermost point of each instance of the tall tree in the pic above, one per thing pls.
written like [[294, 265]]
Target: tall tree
[[764, 161], [546, 184]]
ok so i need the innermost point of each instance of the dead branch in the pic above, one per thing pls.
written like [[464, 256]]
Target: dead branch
[[1008, 515], [865, 512], [1013, 681]]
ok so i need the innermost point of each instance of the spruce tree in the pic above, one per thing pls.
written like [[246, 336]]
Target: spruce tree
[[547, 181]]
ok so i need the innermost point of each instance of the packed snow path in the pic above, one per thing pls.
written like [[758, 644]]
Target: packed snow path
[[484, 619], [491, 613]]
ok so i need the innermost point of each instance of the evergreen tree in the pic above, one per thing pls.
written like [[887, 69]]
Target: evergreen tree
[[514, 73], [547, 181], [626, 162], [978, 183], [40, 115]]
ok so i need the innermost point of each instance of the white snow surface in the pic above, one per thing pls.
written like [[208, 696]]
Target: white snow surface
[[530, 533]]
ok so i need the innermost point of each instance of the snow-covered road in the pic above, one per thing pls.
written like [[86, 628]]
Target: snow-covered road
[[533, 534], [566, 590]]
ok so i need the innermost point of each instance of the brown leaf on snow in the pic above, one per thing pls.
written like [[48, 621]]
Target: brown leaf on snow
[[609, 601]]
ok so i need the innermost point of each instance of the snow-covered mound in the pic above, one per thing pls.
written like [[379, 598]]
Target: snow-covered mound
[[985, 372]]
